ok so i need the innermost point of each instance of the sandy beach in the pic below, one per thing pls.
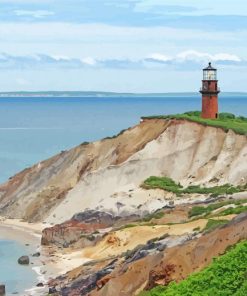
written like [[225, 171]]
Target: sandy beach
[[52, 262]]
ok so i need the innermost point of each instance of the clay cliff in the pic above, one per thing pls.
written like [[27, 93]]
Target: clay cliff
[[91, 202], [106, 175]]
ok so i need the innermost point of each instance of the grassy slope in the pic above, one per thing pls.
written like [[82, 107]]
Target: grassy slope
[[226, 121], [226, 275]]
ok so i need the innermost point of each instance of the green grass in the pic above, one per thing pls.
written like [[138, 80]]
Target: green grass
[[226, 121], [205, 210], [225, 276], [237, 210], [213, 224], [169, 185]]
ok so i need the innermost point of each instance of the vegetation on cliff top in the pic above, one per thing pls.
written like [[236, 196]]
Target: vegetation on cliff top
[[226, 275], [169, 185], [226, 121]]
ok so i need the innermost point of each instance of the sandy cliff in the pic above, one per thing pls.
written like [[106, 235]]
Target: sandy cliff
[[96, 211], [106, 175]]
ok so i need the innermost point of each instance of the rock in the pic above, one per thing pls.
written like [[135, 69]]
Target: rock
[[24, 260], [161, 248], [52, 290], [171, 203], [162, 275], [37, 254], [40, 285], [2, 290]]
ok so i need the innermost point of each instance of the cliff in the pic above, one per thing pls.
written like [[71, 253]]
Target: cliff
[[106, 175], [94, 203]]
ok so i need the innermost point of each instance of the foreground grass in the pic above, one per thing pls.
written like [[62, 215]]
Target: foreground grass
[[169, 185], [226, 121], [225, 276]]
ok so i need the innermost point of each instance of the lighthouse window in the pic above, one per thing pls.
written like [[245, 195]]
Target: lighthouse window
[[209, 75]]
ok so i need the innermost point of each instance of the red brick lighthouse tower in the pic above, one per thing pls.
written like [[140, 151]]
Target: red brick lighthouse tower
[[209, 93]]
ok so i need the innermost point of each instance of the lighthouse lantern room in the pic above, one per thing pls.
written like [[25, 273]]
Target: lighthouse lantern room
[[209, 93]]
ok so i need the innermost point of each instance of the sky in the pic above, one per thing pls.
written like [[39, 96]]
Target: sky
[[121, 45]]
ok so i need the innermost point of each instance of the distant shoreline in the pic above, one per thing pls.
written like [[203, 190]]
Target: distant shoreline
[[78, 94]]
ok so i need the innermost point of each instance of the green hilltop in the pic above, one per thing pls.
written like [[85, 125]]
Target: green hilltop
[[226, 121]]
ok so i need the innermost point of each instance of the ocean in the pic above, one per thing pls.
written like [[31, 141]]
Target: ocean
[[33, 129], [17, 278]]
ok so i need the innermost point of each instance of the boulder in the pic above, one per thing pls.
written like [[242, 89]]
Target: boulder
[[24, 260], [37, 254], [2, 290]]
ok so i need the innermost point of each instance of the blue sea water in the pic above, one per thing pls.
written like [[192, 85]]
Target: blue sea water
[[17, 278], [33, 129]]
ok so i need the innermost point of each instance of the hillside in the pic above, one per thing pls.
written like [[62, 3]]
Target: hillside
[[155, 203], [107, 175]]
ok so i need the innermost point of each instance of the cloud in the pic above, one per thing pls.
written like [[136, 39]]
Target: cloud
[[159, 58], [89, 61], [186, 60], [206, 15], [34, 13], [192, 57]]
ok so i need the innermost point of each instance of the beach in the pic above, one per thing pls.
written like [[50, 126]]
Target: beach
[[52, 261]]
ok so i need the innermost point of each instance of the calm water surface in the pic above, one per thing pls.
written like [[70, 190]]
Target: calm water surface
[[17, 278]]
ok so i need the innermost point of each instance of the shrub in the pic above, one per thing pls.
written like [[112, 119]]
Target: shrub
[[205, 210], [226, 116], [213, 224], [169, 185], [237, 210]]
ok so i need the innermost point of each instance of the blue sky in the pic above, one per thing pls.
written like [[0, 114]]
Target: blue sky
[[121, 45]]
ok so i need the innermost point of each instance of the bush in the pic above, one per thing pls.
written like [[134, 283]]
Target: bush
[[213, 224], [169, 185], [226, 116], [205, 210], [231, 211]]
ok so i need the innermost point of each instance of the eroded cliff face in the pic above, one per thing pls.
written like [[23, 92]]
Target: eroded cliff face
[[106, 175]]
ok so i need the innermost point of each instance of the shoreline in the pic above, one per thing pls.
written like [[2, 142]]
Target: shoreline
[[14, 230], [52, 261]]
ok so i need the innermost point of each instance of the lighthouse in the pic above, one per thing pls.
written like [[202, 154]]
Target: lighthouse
[[209, 93]]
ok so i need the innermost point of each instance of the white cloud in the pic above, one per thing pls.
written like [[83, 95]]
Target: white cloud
[[226, 57], [159, 57], [34, 13], [89, 61], [193, 55], [186, 60]]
